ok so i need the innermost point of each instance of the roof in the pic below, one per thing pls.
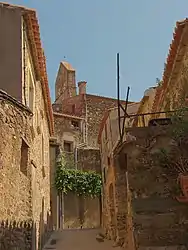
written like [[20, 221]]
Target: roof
[[104, 97], [174, 59], [68, 116], [67, 66], [38, 56]]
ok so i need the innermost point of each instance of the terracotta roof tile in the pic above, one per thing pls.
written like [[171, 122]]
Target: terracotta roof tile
[[171, 58], [38, 56]]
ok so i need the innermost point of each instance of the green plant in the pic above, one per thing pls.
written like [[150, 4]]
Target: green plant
[[83, 183], [175, 158]]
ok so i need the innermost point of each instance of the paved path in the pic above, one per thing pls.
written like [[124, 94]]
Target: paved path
[[78, 239]]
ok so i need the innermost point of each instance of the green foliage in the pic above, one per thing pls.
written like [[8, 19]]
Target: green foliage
[[69, 179], [175, 158], [179, 130]]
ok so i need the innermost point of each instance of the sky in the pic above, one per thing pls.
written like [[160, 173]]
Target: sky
[[88, 34]]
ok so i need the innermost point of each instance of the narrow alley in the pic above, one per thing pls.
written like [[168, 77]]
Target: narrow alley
[[77, 239]]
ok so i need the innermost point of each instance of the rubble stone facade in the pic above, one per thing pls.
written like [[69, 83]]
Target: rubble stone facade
[[15, 179], [26, 126], [139, 206]]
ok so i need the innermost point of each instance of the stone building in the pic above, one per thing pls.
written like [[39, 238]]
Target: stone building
[[77, 118], [108, 139], [173, 91], [141, 209], [26, 119]]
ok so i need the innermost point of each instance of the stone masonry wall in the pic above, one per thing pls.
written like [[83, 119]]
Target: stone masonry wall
[[41, 167], [83, 212], [64, 129], [15, 185], [158, 219], [33, 97], [16, 235], [96, 106]]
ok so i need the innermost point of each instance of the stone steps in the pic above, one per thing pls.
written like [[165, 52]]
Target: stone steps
[[163, 248], [160, 225]]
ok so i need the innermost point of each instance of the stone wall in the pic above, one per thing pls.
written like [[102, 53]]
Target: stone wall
[[33, 97], [25, 183], [64, 130], [15, 181], [79, 211], [96, 107], [158, 219], [40, 156], [140, 209], [65, 85], [16, 235]]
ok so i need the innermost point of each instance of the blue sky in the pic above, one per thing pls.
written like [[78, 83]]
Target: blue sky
[[90, 33]]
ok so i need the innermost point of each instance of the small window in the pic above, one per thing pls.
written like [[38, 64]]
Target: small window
[[105, 131], [31, 93], [24, 157], [67, 146], [104, 174], [73, 108], [75, 124], [108, 161], [42, 150]]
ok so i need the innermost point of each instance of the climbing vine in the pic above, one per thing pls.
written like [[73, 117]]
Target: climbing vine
[[83, 183]]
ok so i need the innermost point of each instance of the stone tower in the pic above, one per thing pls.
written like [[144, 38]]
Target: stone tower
[[65, 85]]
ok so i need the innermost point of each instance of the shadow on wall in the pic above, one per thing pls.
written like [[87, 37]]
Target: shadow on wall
[[17, 235], [22, 235], [45, 228], [81, 212]]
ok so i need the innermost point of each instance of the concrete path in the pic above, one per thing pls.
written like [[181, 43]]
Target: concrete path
[[78, 239]]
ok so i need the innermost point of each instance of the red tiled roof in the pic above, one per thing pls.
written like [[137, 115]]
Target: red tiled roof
[[38, 56], [171, 59], [40, 62]]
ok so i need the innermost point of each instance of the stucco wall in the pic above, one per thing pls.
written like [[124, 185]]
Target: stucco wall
[[79, 211], [10, 51]]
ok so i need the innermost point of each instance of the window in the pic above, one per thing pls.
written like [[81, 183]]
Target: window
[[67, 146], [42, 150], [75, 124], [24, 157], [105, 128], [73, 108], [31, 93], [108, 161], [104, 174]]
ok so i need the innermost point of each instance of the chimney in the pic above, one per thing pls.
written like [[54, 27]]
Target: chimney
[[82, 87]]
